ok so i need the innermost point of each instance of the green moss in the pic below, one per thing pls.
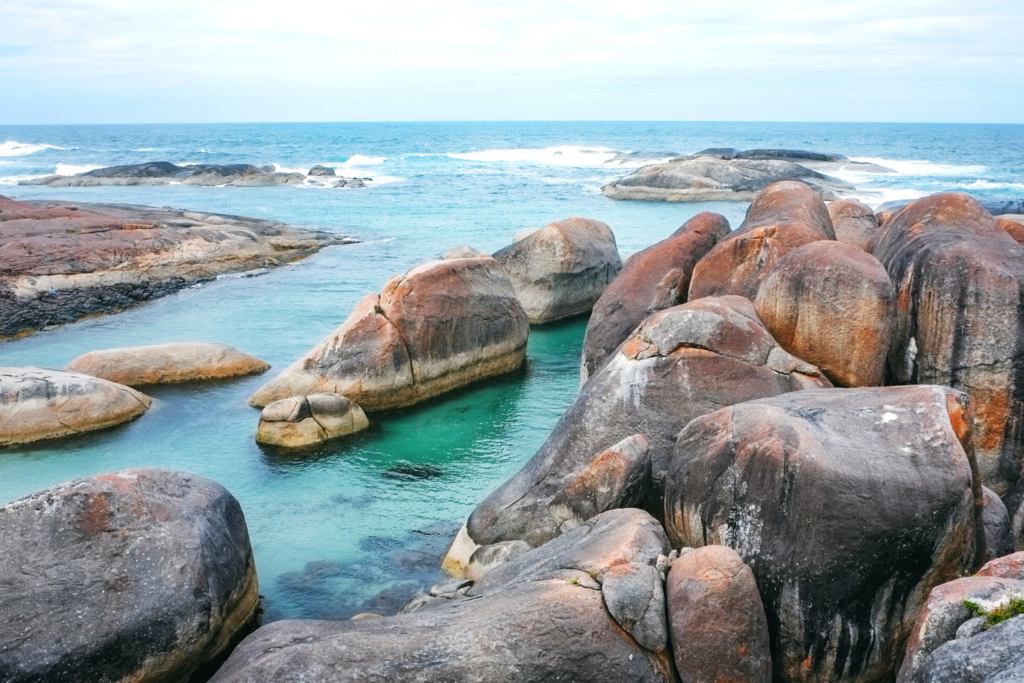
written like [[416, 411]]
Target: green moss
[[574, 580], [1014, 608]]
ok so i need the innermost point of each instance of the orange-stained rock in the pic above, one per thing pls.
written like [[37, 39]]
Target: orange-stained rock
[[162, 363], [853, 222], [438, 327], [1014, 228], [832, 305], [654, 279], [562, 269], [960, 318], [848, 505], [1005, 567], [717, 623], [782, 217]]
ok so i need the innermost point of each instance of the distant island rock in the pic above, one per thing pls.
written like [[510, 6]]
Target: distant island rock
[[61, 261], [729, 174], [208, 175]]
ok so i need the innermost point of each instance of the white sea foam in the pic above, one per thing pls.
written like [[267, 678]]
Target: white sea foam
[[17, 149], [563, 155], [988, 185], [360, 160], [144, 149], [922, 168], [71, 169], [883, 195]]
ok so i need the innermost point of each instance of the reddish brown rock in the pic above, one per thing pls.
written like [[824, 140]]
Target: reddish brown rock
[[849, 505], [960, 318], [652, 280], [854, 223], [1005, 567], [163, 363], [832, 305], [562, 269], [717, 624], [680, 363], [438, 327], [782, 217], [60, 261], [1013, 228]]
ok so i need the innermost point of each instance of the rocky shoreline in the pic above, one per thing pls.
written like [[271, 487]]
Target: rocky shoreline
[[796, 457], [206, 175], [61, 261]]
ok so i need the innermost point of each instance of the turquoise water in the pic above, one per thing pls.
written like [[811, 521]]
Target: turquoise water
[[362, 523]]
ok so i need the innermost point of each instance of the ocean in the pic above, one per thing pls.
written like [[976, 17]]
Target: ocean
[[361, 524]]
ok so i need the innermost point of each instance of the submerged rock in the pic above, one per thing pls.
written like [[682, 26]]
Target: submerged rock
[[322, 171], [728, 174], [309, 420], [61, 261], [652, 280], [162, 363], [832, 305], [781, 218], [959, 280], [140, 575], [440, 326], [38, 404], [716, 620], [588, 606], [562, 269], [854, 223], [848, 505], [681, 363]]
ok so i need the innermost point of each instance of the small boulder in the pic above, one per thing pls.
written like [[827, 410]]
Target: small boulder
[[832, 305], [849, 505], [998, 526], [40, 404], [716, 620], [781, 217], [462, 251], [959, 281], [854, 223], [589, 606], [562, 269], [163, 363], [309, 420], [321, 171], [681, 363], [652, 280], [140, 575], [440, 326]]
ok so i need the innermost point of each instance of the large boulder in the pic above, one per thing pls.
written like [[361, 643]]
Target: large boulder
[[589, 606], [162, 363], [562, 269], [140, 575], [40, 404], [849, 505], [440, 326], [959, 280], [652, 280], [716, 620], [729, 174], [309, 420], [781, 217], [950, 642], [854, 223], [832, 305], [681, 363]]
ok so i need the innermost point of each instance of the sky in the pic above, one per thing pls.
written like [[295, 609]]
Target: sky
[[129, 61]]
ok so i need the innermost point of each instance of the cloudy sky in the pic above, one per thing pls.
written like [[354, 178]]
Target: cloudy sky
[[112, 61]]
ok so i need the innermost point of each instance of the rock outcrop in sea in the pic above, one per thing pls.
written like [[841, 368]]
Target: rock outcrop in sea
[[729, 174], [137, 366], [302, 421], [62, 261], [440, 326]]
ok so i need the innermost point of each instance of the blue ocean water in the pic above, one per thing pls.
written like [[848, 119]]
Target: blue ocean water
[[362, 523]]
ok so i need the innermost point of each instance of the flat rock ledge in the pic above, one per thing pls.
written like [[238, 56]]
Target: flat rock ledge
[[137, 366], [733, 175], [37, 404], [62, 261]]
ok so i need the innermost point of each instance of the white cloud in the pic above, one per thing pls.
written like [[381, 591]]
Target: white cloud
[[130, 60]]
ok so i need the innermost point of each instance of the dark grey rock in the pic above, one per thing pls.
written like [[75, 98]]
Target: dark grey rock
[[998, 527], [318, 171], [995, 655]]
